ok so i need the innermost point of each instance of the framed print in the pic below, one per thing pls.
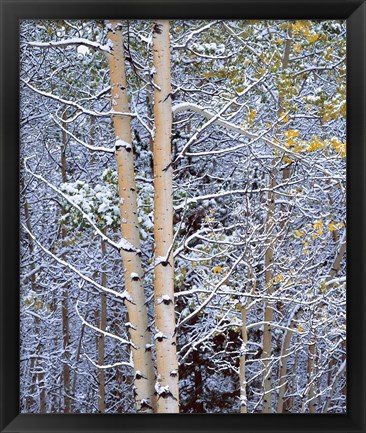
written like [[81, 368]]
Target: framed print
[[182, 226]]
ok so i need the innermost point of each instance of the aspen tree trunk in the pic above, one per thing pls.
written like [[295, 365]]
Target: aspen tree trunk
[[243, 382], [65, 291], [34, 362], [137, 311], [150, 111], [166, 357], [283, 363], [287, 170], [341, 371], [288, 405], [242, 360], [103, 324], [268, 311], [78, 353], [311, 360], [283, 371]]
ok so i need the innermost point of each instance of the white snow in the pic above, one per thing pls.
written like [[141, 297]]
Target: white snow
[[159, 335], [165, 298], [122, 143], [161, 389]]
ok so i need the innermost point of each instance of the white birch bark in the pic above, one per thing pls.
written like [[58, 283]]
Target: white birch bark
[[137, 311], [166, 357]]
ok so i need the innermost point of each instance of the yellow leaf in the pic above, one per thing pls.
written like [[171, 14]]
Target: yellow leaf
[[217, 270], [278, 278], [291, 133], [318, 226], [287, 160], [313, 38], [315, 145], [300, 328], [298, 233], [332, 226]]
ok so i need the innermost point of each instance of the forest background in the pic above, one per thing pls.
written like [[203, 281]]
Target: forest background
[[183, 205]]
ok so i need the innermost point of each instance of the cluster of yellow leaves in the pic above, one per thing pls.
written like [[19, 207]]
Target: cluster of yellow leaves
[[290, 135], [339, 146], [315, 230], [278, 278], [315, 144], [334, 109], [306, 246], [217, 270], [302, 28], [292, 142], [335, 226], [251, 116], [284, 117], [318, 226]]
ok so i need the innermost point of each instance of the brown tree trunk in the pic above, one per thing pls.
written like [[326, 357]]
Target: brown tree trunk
[[65, 291], [243, 382], [268, 310], [133, 273], [102, 326], [166, 357], [35, 363], [311, 370], [283, 385]]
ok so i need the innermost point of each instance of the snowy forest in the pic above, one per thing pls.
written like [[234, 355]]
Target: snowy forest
[[183, 216]]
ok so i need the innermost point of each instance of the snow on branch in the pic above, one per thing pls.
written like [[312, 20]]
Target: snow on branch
[[216, 118], [123, 296], [76, 105], [83, 143], [95, 328], [105, 366], [106, 48], [214, 291], [123, 244]]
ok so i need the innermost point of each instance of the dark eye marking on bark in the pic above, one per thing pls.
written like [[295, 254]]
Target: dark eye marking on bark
[[145, 405], [160, 338], [166, 168], [165, 394], [158, 28]]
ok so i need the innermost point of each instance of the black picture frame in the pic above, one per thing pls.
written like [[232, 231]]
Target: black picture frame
[[355, 13]]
